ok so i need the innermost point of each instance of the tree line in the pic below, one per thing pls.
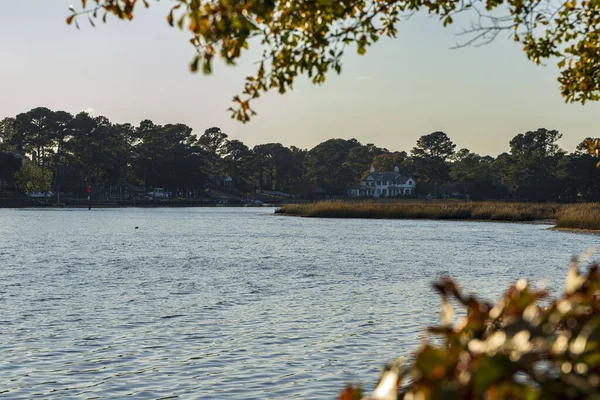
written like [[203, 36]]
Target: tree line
[[43, 149]]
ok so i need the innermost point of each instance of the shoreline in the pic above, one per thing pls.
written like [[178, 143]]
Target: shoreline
[[552, 222], [77, 206], [576, 230], [575, 217]]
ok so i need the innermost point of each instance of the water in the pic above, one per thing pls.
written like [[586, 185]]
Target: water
[[234, 302]]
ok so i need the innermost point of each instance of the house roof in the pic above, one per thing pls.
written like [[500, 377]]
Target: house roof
[[388, 176]]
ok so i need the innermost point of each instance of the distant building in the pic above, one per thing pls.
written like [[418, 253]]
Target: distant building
[[384, 184]]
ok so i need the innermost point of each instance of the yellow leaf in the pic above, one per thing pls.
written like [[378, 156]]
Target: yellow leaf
[[70, 19]]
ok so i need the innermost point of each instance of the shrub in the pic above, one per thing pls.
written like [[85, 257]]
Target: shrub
[[516, 349]]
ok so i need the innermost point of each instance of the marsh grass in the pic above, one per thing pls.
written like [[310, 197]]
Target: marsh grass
[[493, 211], [579, 216]]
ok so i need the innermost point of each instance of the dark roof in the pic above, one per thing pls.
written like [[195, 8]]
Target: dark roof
[[388, 176]]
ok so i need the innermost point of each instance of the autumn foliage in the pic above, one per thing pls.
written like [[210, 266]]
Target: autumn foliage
[[310, 38], [523, 347]]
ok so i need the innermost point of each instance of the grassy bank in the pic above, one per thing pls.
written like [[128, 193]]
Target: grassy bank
[[584, 216], [494, 211], [579, 216]]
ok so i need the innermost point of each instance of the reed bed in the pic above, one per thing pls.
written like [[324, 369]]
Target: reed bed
[[493, 211], [579, 216]]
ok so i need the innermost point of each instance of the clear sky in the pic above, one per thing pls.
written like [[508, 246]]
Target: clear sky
[[400, 90]]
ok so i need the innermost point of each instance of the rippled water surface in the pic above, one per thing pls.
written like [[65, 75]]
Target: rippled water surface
[[234, 302]]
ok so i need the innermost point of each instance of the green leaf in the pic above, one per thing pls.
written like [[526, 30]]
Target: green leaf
[[489, 370]]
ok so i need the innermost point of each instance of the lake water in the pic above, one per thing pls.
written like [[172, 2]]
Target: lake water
[[218, 303]]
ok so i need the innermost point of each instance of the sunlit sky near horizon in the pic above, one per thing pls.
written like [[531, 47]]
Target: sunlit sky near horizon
[[400, 90]]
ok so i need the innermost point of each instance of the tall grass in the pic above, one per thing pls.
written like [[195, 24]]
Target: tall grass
[[496, 211], [579, 216]]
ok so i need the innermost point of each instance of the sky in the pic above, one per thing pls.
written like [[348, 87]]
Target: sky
[[401, 89]]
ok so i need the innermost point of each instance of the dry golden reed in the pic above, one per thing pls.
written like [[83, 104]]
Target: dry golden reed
[[568, 216], [579, 216], [496, 211]]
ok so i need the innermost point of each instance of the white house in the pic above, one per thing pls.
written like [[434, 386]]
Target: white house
[[384, 184]]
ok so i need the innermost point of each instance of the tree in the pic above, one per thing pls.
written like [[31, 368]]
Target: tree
[[310, 38], [33, 178], [237, 158], [388, 161], [8, 135], [90, 146], [169, 156], [10, 163], [473, 175], [213, 140], [358, 161], [435, 145], [36, 129], [63, 131], [429, 159], [273, 162], [325, 164], [531, 170], [580, 175]]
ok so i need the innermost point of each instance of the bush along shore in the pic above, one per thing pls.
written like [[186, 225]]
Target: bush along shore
[[585, 216], [526, 346]]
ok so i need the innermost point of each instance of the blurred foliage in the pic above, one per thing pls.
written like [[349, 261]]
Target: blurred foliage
[[524, 347], [593, 148], [309, 38]]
